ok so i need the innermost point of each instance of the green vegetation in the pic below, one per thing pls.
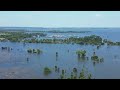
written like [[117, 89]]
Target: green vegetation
[[63, 72], [47, 71], [38, 51], [83, 75], [22, 36], [111, 43], [18, 36], [87, 40], [56, 68], [95, 58], [91, 40], [57, 31], [81, 53], [32, 38], [75, 70]]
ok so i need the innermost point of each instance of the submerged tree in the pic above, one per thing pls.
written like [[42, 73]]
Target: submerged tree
[[56, 69], [94, 53], [29, 50], [34, 51], [63, 72], [82, 75], [101, 59], [71, 75], [4, 48], [98, 46], [56, 56], [95, 58], [47, 71], [89, 76], [27, 59], [75, 70], [81, 53], [38, 51]]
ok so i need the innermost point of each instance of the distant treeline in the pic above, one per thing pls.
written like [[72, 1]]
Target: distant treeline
[[59, 31], [12, 30], [46, 31], [33, 38], [18, 36], [56, 31]]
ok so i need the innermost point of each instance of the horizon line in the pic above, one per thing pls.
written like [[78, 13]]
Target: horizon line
[[50, 27]]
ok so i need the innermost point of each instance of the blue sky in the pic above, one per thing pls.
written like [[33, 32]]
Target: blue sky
[[60, 18]]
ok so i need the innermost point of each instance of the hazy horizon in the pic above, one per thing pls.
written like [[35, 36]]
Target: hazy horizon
[[50, 27]]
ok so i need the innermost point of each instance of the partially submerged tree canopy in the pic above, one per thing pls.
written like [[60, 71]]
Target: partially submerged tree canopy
[[82, 53]]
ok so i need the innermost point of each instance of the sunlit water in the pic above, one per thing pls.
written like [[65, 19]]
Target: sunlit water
[[14, 64]]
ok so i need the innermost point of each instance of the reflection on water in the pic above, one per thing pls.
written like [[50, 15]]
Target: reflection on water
[[17, 63]]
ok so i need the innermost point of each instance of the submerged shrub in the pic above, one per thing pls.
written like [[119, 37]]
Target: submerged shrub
[[95, 58], [101, 59], [34, 51], [81, 53], [75, 70], [47, 71], [62, 76], [29, 50], [56, 69], [38, 51], [63, 71], [89, 76]]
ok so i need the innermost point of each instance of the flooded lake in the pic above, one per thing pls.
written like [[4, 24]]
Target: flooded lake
[[14, 64]]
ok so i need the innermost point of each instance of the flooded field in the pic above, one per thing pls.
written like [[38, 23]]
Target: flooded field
[[18, 63]]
